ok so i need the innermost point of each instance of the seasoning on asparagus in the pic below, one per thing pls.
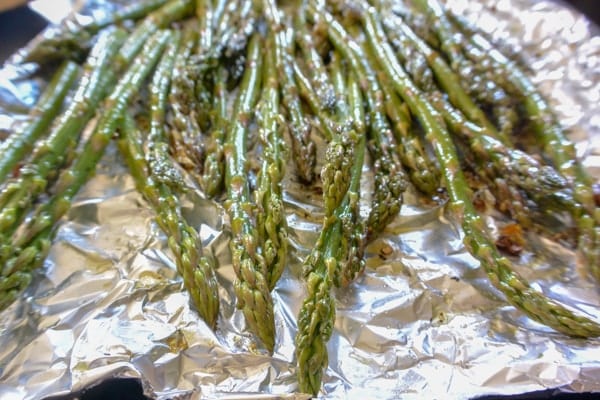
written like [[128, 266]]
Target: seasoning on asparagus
[[507, 74], [185, 135], [20, 143], [557, 147], [541, 183], [498, 268], [326, 126]]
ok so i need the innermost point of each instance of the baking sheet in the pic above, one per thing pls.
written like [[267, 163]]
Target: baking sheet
[[422, 322]]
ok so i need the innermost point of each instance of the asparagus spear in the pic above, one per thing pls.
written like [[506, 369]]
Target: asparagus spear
[[314, 63], [423, 173], [326, 125], [390, 179], [214, 168], [303, 148], [235, 26], [351, 253], [157, 179], [243, 28], [224, 26], [252, 286], [336, 173], [323, 270], [477, 241], [72, 39], [205, 16], [204, 66], [32, 243], [19, 194], [270, 220], [155, 183], [19, 144], [185, 135]]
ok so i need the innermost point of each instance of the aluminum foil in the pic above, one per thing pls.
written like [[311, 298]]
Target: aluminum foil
[[422, 322]]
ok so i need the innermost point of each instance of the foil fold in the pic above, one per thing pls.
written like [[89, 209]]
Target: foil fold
[[422, 322]]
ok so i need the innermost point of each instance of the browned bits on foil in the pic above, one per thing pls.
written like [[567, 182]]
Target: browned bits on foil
[[510, 239]]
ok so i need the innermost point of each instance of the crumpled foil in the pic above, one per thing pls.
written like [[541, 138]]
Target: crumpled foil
[[422, 322]]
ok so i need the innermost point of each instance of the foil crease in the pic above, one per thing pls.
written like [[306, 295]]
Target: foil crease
[[422, 322]]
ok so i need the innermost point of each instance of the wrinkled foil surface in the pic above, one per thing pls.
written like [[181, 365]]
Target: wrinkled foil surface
[[421, 322]]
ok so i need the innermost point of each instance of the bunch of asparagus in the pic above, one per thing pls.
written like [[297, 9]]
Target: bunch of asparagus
[[201, 86]]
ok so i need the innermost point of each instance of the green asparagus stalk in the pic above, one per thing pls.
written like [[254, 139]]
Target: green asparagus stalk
[[243, 28], [337, 172], [32, 243], [11, 286], [252, 286], [206, 63], [223, 22], [185, 134], [72, 39], [270, 218], [157, 179], [205, 16], [354, 231], [234, 28], [155, 183], [49, 155], [19, 144], [476, 239], [303, 148], [314, 63], [213, 174], [390, 179], [323, 271], [326, 126], [423, 173]]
